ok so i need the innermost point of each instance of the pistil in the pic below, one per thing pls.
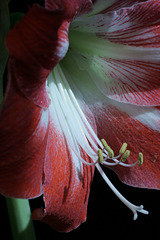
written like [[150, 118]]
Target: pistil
[[131, 206]]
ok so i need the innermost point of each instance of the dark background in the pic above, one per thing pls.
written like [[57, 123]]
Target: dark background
[[107, 217]]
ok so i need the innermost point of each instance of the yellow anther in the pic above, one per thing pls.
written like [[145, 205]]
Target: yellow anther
[[100, 156], [109, 150], [125, 156], [140, 159], [123, 148]]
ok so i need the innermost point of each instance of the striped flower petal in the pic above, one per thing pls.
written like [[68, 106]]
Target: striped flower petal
[[138, 126], [121, 48]]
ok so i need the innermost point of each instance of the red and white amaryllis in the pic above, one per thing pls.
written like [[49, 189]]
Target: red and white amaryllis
[[80, 71]]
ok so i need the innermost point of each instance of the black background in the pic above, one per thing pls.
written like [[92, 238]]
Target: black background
[[107, 217]]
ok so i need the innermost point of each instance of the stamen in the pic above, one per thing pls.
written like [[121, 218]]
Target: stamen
[[100, 156], [123, 148], [140, 159], [125, 156], [109, 150]]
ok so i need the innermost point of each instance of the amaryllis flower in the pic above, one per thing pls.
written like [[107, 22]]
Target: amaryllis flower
[[80, 72]]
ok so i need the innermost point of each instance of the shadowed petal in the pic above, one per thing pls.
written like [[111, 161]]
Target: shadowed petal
[[24, 114], [23, 137], [71, 8], [4, 28]]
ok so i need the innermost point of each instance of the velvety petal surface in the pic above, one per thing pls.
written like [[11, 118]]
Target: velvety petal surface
[[23, 137], [24, 114], [70, 8], [120, 50], [34, 61]]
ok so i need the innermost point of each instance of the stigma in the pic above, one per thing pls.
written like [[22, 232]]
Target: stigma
[[79, 134]]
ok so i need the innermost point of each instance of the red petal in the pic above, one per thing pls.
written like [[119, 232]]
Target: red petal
[[38, 42], [129, 74], [31, 147], [23, 125], [125, 80], [71, 8], [131, 81], [138, 25], [24, 130], [67, 183], [140, 128]]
